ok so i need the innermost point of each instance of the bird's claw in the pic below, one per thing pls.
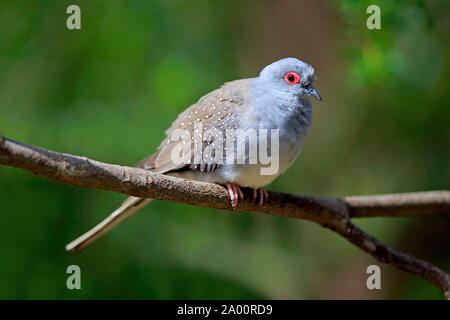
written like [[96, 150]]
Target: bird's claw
[[235, 193], [263, 195]]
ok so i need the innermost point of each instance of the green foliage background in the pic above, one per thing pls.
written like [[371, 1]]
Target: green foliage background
[[109, 91]]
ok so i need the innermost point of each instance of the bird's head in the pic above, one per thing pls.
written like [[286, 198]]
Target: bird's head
[[290, 76]]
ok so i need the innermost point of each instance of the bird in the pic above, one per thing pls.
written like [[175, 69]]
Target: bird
[[277, 99]]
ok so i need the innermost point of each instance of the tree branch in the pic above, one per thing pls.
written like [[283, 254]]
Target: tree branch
[[331, 213]]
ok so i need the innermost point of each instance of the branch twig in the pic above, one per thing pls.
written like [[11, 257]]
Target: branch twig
[[331, 213]]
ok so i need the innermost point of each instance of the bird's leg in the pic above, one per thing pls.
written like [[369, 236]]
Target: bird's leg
[[235, 193], [263, 195]]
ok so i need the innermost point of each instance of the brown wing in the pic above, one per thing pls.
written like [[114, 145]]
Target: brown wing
[[218, 110]]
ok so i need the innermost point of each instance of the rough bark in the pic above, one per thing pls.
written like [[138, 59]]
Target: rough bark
[[332, 213]]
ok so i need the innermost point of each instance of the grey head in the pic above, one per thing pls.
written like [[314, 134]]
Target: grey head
[[290, 77]]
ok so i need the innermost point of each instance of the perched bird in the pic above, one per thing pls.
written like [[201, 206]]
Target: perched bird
[[275, 100]]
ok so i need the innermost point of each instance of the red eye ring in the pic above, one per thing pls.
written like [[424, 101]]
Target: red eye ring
[[292, 78]]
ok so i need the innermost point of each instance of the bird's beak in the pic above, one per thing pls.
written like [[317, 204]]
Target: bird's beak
[[313, 92]]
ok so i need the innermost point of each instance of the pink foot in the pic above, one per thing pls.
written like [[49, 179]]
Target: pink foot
[[235, 193], [263, 195]]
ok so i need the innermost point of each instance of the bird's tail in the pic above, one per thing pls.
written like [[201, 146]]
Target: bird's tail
[[128, 208]]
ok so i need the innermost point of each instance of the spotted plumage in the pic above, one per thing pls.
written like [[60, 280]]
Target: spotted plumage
[[217, 111], [275, 100]]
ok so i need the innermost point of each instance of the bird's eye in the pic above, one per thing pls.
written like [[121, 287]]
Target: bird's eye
[[292, 78]]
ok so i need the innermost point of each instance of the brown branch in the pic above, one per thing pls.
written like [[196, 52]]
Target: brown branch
[[399, 205], [331, 213]]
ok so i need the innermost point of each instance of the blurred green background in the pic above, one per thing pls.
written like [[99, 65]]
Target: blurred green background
[[111, 89]]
